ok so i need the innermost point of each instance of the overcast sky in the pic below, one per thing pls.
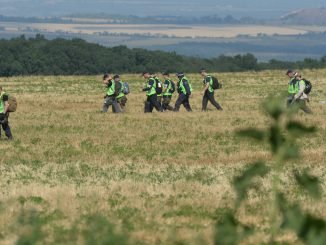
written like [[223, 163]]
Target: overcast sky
[[237, 8]]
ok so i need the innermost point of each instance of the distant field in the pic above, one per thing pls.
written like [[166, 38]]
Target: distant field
[[210, 31], [159, 178], [288, 43]]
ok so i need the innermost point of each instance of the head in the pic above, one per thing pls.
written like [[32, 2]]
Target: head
[[146, 74], [290, 73], [297, 75], [116, 78], [166, 75], [203, 72], [107, 77], [180, 75]]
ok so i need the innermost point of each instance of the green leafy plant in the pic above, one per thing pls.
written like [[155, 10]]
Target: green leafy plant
[[281, 136]]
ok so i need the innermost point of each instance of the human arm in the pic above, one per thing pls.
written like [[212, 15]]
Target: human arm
[[206, 83], [6, 103], [187, 87], [165, 86], [117, 88]]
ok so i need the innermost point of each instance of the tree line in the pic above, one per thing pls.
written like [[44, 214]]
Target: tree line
[[39, 56]]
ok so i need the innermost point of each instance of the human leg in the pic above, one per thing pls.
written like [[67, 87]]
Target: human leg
[[204, 102], [213, 101]]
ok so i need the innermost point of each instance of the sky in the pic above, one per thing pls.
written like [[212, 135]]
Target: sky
[[237, 8]]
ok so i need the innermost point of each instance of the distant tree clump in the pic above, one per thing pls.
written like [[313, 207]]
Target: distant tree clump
[[39, 56]]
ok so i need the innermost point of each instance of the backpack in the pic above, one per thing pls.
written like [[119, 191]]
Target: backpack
[[158, 85], [125, 88], [308, 86], [12, 103], [216, 84]]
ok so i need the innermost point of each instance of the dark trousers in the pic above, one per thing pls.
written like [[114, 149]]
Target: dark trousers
[[4, 120], [111, 100], [152, 103], [209, 96], [182, 100], [166, 103], [289, 100], [160, 99], [122, 102]]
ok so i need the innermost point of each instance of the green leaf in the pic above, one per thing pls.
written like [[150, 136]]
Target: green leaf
[[311, 184], [276, 138], [252, 133], [275, 107], [309, 229], [290, 152], [297, 128], [246, 181], [229, 231]]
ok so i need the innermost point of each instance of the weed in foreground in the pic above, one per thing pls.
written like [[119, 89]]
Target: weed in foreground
[[283, 214]]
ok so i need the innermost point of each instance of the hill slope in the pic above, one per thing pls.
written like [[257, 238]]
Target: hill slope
[[306, 17]]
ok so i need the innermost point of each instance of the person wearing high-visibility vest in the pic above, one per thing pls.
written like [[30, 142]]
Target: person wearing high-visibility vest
[[208, 91], [291, 86], [150, 89], [300, 98], [4, 114], [112, 90], [168, 90], [184, 89], [121, 97]]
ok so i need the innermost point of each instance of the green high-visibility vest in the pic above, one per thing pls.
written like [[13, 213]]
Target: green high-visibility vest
[[153, 89], [168, 89], [2, 104], [111, 89], [293, 86], [210, 88], [182, 87]]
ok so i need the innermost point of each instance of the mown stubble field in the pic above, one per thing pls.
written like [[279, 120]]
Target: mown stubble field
[[162, 178]]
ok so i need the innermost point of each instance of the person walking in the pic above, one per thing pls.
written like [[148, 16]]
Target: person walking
[[208, 91], [111, 92], [121, 97], [291, 86], [300, 98], [184, 89], [168, 90], [150, 89], [4, 114], [159, 90]]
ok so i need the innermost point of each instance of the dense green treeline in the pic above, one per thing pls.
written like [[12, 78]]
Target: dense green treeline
[[39, 56]]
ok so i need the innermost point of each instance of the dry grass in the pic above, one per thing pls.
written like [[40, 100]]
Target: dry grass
[[163, 178]]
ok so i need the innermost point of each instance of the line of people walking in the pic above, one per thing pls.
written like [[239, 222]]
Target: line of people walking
[[158, 94]]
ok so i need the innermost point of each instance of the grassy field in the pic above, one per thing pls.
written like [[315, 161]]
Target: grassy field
[[72, 175]]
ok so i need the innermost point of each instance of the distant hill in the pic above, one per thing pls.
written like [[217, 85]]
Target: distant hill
[[306, 17]]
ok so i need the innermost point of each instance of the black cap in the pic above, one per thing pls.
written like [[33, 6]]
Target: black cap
[[179, 74], [202, 70], [288, 72], [116, 76]]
